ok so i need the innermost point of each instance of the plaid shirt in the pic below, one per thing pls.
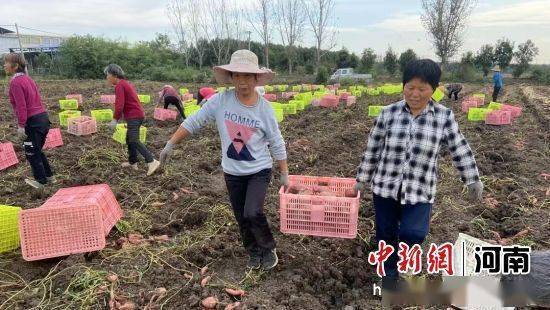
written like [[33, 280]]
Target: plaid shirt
[[402, 152]]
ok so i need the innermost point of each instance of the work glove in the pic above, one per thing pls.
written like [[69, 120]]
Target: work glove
[[475, 191], [359, 187], [21, 132], [166, 152], [283, 180], [112, 124]]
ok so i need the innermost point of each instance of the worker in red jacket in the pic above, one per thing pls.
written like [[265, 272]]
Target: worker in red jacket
[[127, 106], [33, 123]]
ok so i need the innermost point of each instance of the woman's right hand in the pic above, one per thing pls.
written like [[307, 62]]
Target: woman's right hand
[[166, 153]]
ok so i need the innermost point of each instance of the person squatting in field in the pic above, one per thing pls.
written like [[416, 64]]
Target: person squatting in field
[[453, 89], [32, 119], [400, 162], [248, 132], [169, 96], [128, 107]]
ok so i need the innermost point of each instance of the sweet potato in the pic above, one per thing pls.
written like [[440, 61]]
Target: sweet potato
[[204, 270], [209, 302], [205, 281], [234, 293], [233, 306]]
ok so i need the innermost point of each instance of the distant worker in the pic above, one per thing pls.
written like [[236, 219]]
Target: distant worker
[[497, 80], [204, 94], [169, 96], [453, 89]]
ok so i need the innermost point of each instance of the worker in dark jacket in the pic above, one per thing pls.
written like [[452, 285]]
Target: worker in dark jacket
[[453, 89]]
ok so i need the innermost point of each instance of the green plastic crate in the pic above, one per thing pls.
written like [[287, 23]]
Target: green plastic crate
[[289, 108], [438, 95], [276, 105], [191, 109], [375, 110], [144, 99], [300, 105], [279, 114], [65, 115], [268, 88], [495, 106], [282, 88], [221, 89], [120, 134], [9, 228], [357, 93], [477, 114], [102, 115], [184, 91], [352, 89], [68, 104], [297, 88]]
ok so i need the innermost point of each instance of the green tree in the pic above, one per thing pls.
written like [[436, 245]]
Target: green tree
[[368, 59], [504, 51], [466, 68], [485, 58], [343, 58], [390, 61], [406, 57], [353, 61], [524, 55]]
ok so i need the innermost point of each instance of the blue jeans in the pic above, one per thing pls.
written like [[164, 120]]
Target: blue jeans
[[400, 223]]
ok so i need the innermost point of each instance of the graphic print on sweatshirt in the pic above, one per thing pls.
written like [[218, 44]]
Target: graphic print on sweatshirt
[[240, 130]]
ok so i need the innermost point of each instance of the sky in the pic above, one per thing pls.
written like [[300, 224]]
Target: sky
[[376, 24]]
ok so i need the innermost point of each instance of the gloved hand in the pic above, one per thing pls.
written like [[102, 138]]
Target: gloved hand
[[475, 191], [21, 132], [166, 152], [359, 187], [113, 124], [283, 179]]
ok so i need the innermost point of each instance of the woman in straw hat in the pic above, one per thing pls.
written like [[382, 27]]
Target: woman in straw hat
[[248, 129], [497, 80]]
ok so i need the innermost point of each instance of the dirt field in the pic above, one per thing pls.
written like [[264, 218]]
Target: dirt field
[[188, 202]]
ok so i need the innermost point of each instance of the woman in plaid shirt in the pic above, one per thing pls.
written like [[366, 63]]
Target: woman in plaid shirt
[[401, 160]]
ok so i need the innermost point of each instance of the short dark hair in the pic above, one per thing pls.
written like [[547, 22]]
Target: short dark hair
[[16, 59], [425, 69]]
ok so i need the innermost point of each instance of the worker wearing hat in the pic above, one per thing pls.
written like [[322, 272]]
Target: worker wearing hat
[[497, 80]]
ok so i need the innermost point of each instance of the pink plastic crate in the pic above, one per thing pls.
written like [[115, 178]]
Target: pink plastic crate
[[89, 195], [351, 100], [326, 214], [332, 87], [107, 99], [53, 139], [288, 95], [329, 101], [270, 97], [8, 157], [344, 96], [82, 125], [60, 231], [515, 111], [467, 104], [498, 117], [78, 97], [165, 114], [186, 97]]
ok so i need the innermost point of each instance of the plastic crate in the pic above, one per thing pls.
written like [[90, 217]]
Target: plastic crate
[[438, 95], [107, 99], [330, 101], [102, 115], [300, 104], [82, 196], [498, 118], [68, 104], [65, 115], [288, 95], [296, 88], [221, 89], [186, 97], [351, 100], [270, 97], [9, 228], [479, 95], [8, 157], [324, 216], [60, 231], [78, 97], [494, 106], [282, 88], [279, 114], [343, 94], [269, 88], [82, 126], [477, 114], [165, 114], [464, 248], [53, 139], [289, 108], [516, 111], [375, 110], [357, 93], [184, 91], [120, 133], [144, 99], [467, 104], [191, 109]]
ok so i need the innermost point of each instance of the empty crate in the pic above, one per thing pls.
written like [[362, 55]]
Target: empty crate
[[68, 104], [120, 133], [516, 111], [494, 106], [300, 105], [165, 114], [279, 114], [319, 206], [53, 139], [350, 100], [89, 195], [330, 101], [289, 108], [102, 115], [186, 97], [183, 91], [9, 228], [438, 95], [82, 126], [78, 97], [498, 118], [467, 104], [375, 110], [107, 99], [270, 97], [8, 157], [477, 114], [144, 98], [191, 109], [66, 115], [288, 95]]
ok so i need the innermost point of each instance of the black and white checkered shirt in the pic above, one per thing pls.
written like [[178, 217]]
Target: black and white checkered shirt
[[402, 152]]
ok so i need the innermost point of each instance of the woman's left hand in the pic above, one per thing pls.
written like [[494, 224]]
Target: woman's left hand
[[283, 179]]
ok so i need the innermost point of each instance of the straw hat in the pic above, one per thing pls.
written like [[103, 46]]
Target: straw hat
[[496, 68], [242, 61]]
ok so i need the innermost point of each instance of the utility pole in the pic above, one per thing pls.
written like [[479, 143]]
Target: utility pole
[[21, 47], [248, 32]]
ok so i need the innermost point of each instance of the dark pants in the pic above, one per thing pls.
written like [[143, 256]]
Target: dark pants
[[134, 145], [496, 90], [400, 223], [36, 130], [455, 93], [168, 100], [247, 195]]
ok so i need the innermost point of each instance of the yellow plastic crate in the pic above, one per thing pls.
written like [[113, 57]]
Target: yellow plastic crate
[[144, 99], [65, 115], [495, 106], [121, 130], [300, 105], [184, 91], [477, 114], [289, 108], [68, 104], [297, 88], [221, 89], [191, 109], [375, 110], [279, 114], [9, 228], [438, 95], [102, 115]]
